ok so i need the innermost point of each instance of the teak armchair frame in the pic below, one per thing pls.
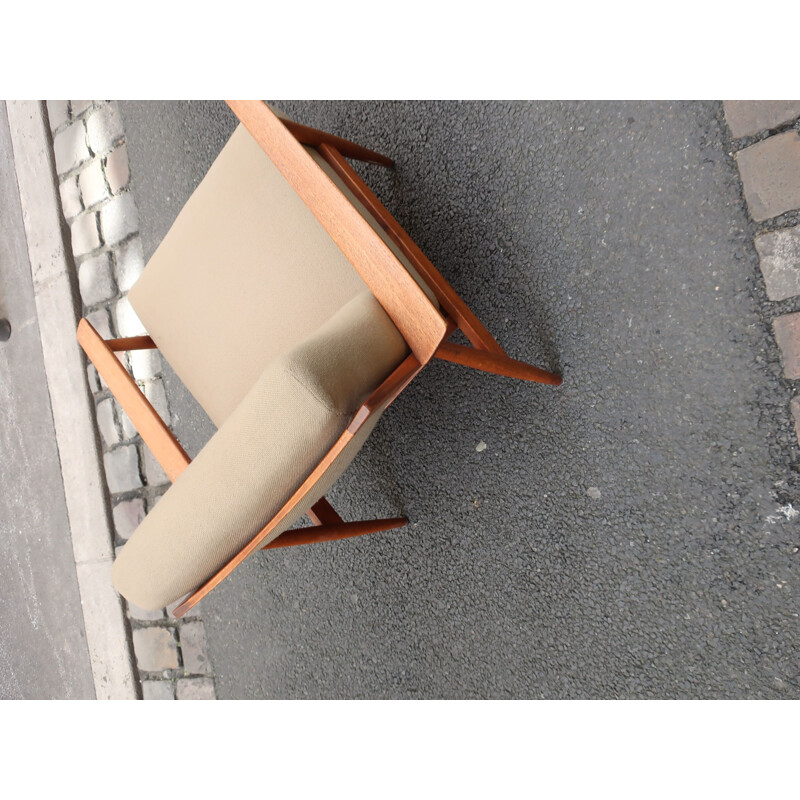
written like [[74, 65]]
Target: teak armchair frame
[[424, 327]]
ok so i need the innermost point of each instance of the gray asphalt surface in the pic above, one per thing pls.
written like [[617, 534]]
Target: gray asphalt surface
[[620, 536], [43, 651]]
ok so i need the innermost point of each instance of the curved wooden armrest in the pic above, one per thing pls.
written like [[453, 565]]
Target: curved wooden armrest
[[379, 400], [386, 393]]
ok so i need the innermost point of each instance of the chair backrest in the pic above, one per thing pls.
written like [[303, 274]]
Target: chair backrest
[[412, 312]]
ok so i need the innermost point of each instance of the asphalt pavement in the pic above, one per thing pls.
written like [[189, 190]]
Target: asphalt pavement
[[629, 534], [43, 649]]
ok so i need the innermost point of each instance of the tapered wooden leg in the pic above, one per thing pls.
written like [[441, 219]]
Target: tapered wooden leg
[[323, 513], [329, 533], [306, 135], [492, 362]]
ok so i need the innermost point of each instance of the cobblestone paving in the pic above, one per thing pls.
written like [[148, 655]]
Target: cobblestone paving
[[92, 165], [767, 152]]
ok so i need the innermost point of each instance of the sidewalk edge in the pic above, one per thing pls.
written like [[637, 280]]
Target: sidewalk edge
[[73, 412]]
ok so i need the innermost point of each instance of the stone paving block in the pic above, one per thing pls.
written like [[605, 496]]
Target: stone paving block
[[104, 128], [92, 182], [57, 113], [96, 280], [119, 218], [157, 690], [85, 236], [153, 473], [194, 648], [122, 469], [79, 106], [69, 147], [770, 173], [128, 324], [100, 320], [71, 204], [107, 423], [154, 392], [748, 117], [779, 254], [143, 615], [794, 407], [117, 169], [155, 648], [145, 364], [93, 378], [787, 334], [128, 429], [129, 260], [128, 515], [192, 613], [196, 689]]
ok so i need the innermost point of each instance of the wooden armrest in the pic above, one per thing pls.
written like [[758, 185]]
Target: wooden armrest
[[379, 400], [155, 434], [386, 393], [420, 322]]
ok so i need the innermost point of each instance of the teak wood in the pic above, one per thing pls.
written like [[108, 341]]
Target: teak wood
[[327, 533], [423, 326], [458, 310], [497, 364], [156, 435], [315, 138]]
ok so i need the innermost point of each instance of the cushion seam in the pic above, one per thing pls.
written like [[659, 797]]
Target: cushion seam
[[287, 368]]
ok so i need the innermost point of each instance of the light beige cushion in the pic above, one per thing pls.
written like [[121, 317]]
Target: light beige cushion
[[245, 273], [285, 424]]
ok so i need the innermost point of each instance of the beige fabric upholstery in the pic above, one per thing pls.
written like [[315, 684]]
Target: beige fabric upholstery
[[362, 209], [287, 421], [245, 273]]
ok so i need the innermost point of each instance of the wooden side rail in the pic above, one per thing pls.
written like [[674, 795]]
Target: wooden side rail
[[420, 322], [156, 435], [486, 355], [131, 343], [473, 328]]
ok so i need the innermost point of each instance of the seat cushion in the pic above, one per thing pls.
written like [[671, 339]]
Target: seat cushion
[[288, 420], [245, 273]]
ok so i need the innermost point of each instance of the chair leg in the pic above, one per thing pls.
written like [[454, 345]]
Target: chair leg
[[311, 136], [323, 513], [494, 363], [330, 533]]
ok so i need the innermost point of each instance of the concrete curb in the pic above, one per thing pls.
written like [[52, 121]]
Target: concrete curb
[[73, 409], [99, 209]]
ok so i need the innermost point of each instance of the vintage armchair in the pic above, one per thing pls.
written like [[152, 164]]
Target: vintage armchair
[[295, 310]]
